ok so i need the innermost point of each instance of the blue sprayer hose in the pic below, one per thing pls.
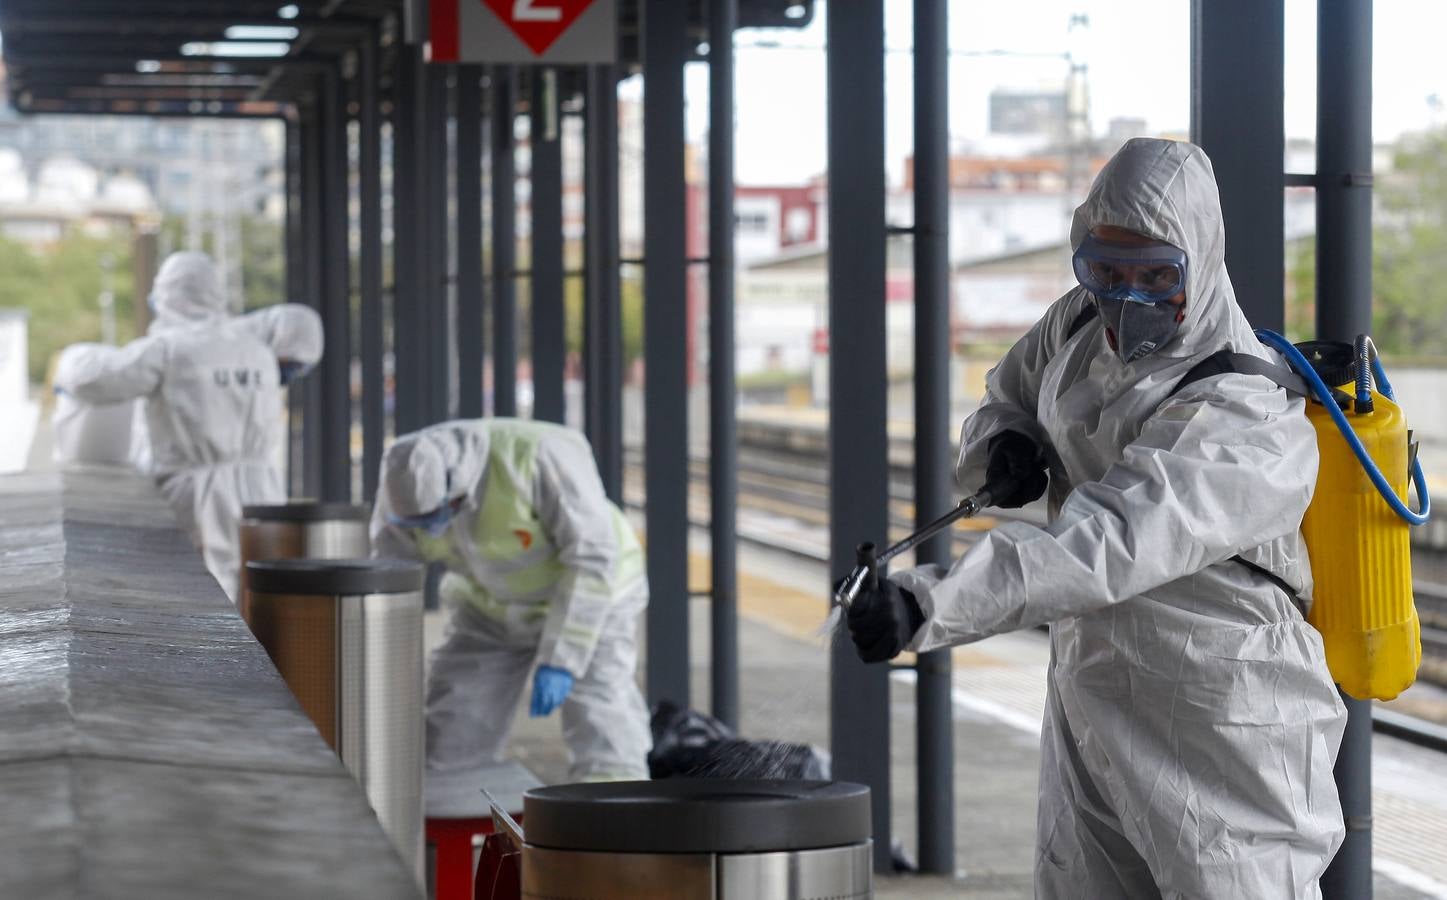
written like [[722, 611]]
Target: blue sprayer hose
[[1303, 367]]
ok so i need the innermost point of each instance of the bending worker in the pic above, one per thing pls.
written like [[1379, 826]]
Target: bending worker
[[212, 408], [1191, 724], [545, 576]]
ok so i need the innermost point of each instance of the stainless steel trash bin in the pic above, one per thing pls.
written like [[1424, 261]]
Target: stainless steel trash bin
[[710, 839], [347, 637], [303, 530]]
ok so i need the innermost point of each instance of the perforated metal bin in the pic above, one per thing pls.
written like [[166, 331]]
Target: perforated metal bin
[[347, 637], [302, 530], [698, 839]]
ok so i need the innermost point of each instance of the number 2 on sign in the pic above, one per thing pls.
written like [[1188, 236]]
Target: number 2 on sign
[[526, 11]]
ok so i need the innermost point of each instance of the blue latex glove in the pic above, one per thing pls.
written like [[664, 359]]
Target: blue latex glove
[[551, 686]]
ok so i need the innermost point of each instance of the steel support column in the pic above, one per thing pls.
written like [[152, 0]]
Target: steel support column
[[858, 382], [1237, 83], [336, 364], [408, 295], [369, 267], [547, 318], [604, 312], [592, 265], [469, 336], [1344, 310], [933, 459], [295, 255], [437, 313], [296, 292], [314, 252], [665, 326], [723, 469], [504, 245]]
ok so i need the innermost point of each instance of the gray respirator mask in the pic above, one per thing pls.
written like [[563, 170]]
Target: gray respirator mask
[[1140, 329]]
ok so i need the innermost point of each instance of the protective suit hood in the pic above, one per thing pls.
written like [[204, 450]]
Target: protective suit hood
[[1167, 190], [187, 291], [424, 470]]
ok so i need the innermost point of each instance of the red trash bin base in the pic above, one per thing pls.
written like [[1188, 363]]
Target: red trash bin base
[[499, 871], [452, 839]]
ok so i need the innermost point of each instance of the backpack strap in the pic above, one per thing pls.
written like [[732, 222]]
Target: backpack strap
[[1220, 363], [1274, 579], [1224, 361]]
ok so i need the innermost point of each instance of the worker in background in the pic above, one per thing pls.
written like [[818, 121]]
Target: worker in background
[[213, 412], [545, 578], [1191, 723], [293, 331]]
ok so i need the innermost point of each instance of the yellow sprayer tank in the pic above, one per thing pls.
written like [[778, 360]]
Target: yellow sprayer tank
[[1361, 555]]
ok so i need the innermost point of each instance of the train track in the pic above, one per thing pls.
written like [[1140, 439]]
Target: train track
[[789, 486], [1432, 609], [798, 489]]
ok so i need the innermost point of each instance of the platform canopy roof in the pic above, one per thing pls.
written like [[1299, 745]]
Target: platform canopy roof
[[231, 57]]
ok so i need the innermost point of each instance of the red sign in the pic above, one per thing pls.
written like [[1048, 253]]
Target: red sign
[[821, 341], [526, 31], [538, 22]]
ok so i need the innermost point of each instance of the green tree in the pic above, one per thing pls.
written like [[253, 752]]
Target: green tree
[[1301, 289], [1409, 250], [631, 297], [1409, 256], [263, 262], [60, 287]]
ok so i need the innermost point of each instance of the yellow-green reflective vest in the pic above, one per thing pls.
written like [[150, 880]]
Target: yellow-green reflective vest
[[512, 571]]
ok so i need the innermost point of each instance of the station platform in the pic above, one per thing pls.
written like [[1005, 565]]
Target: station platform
[[999, 695]]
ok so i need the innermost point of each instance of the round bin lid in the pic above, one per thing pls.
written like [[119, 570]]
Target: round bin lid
[[697, 815], [307, 512], [334, 577]]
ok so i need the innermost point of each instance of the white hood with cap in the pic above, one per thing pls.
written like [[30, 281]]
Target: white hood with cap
[[423, 470], [187, 291]]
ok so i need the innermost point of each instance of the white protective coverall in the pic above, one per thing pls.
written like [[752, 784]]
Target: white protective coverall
[[1191, 724], [542, 569], [293, 331], [212, 406]]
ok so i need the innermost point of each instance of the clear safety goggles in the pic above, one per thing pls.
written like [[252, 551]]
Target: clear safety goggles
[[1139, 274], [434, 523]]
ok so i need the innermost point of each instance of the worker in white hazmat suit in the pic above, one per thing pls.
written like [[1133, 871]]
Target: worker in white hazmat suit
[[544, 576], [1191, 724], [213, 411], [292, 331]]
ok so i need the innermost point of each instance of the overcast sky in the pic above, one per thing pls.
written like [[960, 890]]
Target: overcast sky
[[1138, 53]]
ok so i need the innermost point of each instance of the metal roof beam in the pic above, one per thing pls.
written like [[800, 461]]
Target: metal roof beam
[[53, 24], [177, 8], [100, 92], [167, 109], [131, 78], [26, 63]]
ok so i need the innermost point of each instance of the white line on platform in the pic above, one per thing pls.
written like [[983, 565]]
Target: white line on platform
[[966, 700], [1004, 714], [1408, 877], [1401, 873]]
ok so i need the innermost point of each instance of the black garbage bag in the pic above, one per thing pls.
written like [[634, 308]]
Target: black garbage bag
[[691, 743]]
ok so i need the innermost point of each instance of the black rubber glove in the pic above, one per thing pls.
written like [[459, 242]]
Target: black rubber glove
[[882, 619], [1017, 460]]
